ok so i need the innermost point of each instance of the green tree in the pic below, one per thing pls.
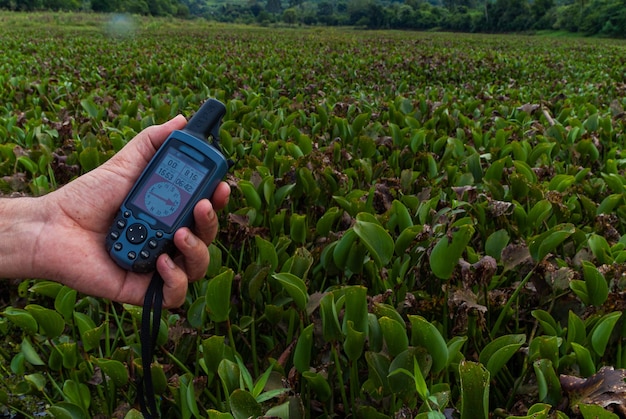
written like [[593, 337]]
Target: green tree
[[358, 11], [28, 5], [324, 8], [160, 7], [290, 16], [62, 4], [273, 6], [508, 16], [540, 13], [139, 7], [105, 6]]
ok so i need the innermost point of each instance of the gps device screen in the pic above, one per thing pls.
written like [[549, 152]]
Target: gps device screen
[[172, 184]]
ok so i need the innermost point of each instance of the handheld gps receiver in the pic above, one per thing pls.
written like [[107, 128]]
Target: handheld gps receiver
[[185, 169]]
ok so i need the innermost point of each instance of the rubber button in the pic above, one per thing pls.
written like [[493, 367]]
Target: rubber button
[[136, 233]]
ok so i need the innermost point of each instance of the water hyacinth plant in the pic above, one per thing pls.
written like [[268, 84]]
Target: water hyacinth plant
[[421, 224]]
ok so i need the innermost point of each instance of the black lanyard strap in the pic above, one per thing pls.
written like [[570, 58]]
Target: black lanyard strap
[[152, 304]]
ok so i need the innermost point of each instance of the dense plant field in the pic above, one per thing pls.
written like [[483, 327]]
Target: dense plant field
[[421, 224]]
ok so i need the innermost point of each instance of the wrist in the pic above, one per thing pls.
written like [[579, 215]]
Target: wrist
[[23, 222]]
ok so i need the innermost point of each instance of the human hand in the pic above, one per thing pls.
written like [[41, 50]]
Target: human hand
[[70, 248]]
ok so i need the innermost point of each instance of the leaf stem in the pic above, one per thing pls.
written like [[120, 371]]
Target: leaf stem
[[508, 304], [342, 388]]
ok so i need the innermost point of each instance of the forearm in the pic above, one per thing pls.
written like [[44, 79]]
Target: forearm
[[22, 221]]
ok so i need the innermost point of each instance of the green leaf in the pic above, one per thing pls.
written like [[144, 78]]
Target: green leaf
[[213, 349], [136, 414], [496, 242], [214, 414], [319, 385], [91, 108], [243, 405], [38, 381], [267, 252], [580, 289], [354, 342], [50, 322], [547, 322], [602, 332], [331, 329], [539, 213], [47, 288], [218, 296], [378, 370], [547, 242], [401, 370], [302, 353], [196, 314], [229, 374], [67, 410], [609, 203], [69, 354], [402, 215], [395, 335], [188, 396], [597, 286], [426, 335], [22, 319], [355, 309], [253, 199], [359, 122], [298, 228], [614, 182], [576, 331], [28, 164], [584, 360], [407, 238], [65, 301], [600, 248], [474, 390], [454, 347], [295, 287], [77, 393], [547, 382], [594, 411], [215, 262], [376, 239], [446, 253], [499, 351], [89, 158], [561, 182], [326, 222], [114, 370], [89, 334], [343, 247]]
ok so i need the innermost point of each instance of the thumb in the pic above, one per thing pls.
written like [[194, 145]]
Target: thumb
[[138, 152]]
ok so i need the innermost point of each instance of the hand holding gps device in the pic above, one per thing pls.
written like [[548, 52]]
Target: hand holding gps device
[[185, 169]]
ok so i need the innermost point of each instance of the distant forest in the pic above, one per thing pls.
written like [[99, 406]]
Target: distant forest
[[588, 17]]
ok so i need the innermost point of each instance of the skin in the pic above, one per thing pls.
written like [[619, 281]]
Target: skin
[[60, 236]]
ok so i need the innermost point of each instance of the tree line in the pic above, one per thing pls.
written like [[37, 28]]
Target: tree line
[[588, 17]]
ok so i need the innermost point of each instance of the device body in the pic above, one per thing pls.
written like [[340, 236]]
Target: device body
[[185, 169]]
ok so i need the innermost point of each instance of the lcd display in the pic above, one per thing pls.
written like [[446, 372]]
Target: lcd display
[[172, 184]]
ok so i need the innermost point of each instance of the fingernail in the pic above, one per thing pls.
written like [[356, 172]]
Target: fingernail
[[169, 262], [191, 240]]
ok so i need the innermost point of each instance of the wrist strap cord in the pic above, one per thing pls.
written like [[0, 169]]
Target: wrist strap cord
[[152, 304]]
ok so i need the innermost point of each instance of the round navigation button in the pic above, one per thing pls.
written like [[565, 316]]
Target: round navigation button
[[136, 233]]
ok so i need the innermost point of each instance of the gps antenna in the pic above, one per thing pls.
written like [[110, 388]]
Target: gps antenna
[[206, 121]]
